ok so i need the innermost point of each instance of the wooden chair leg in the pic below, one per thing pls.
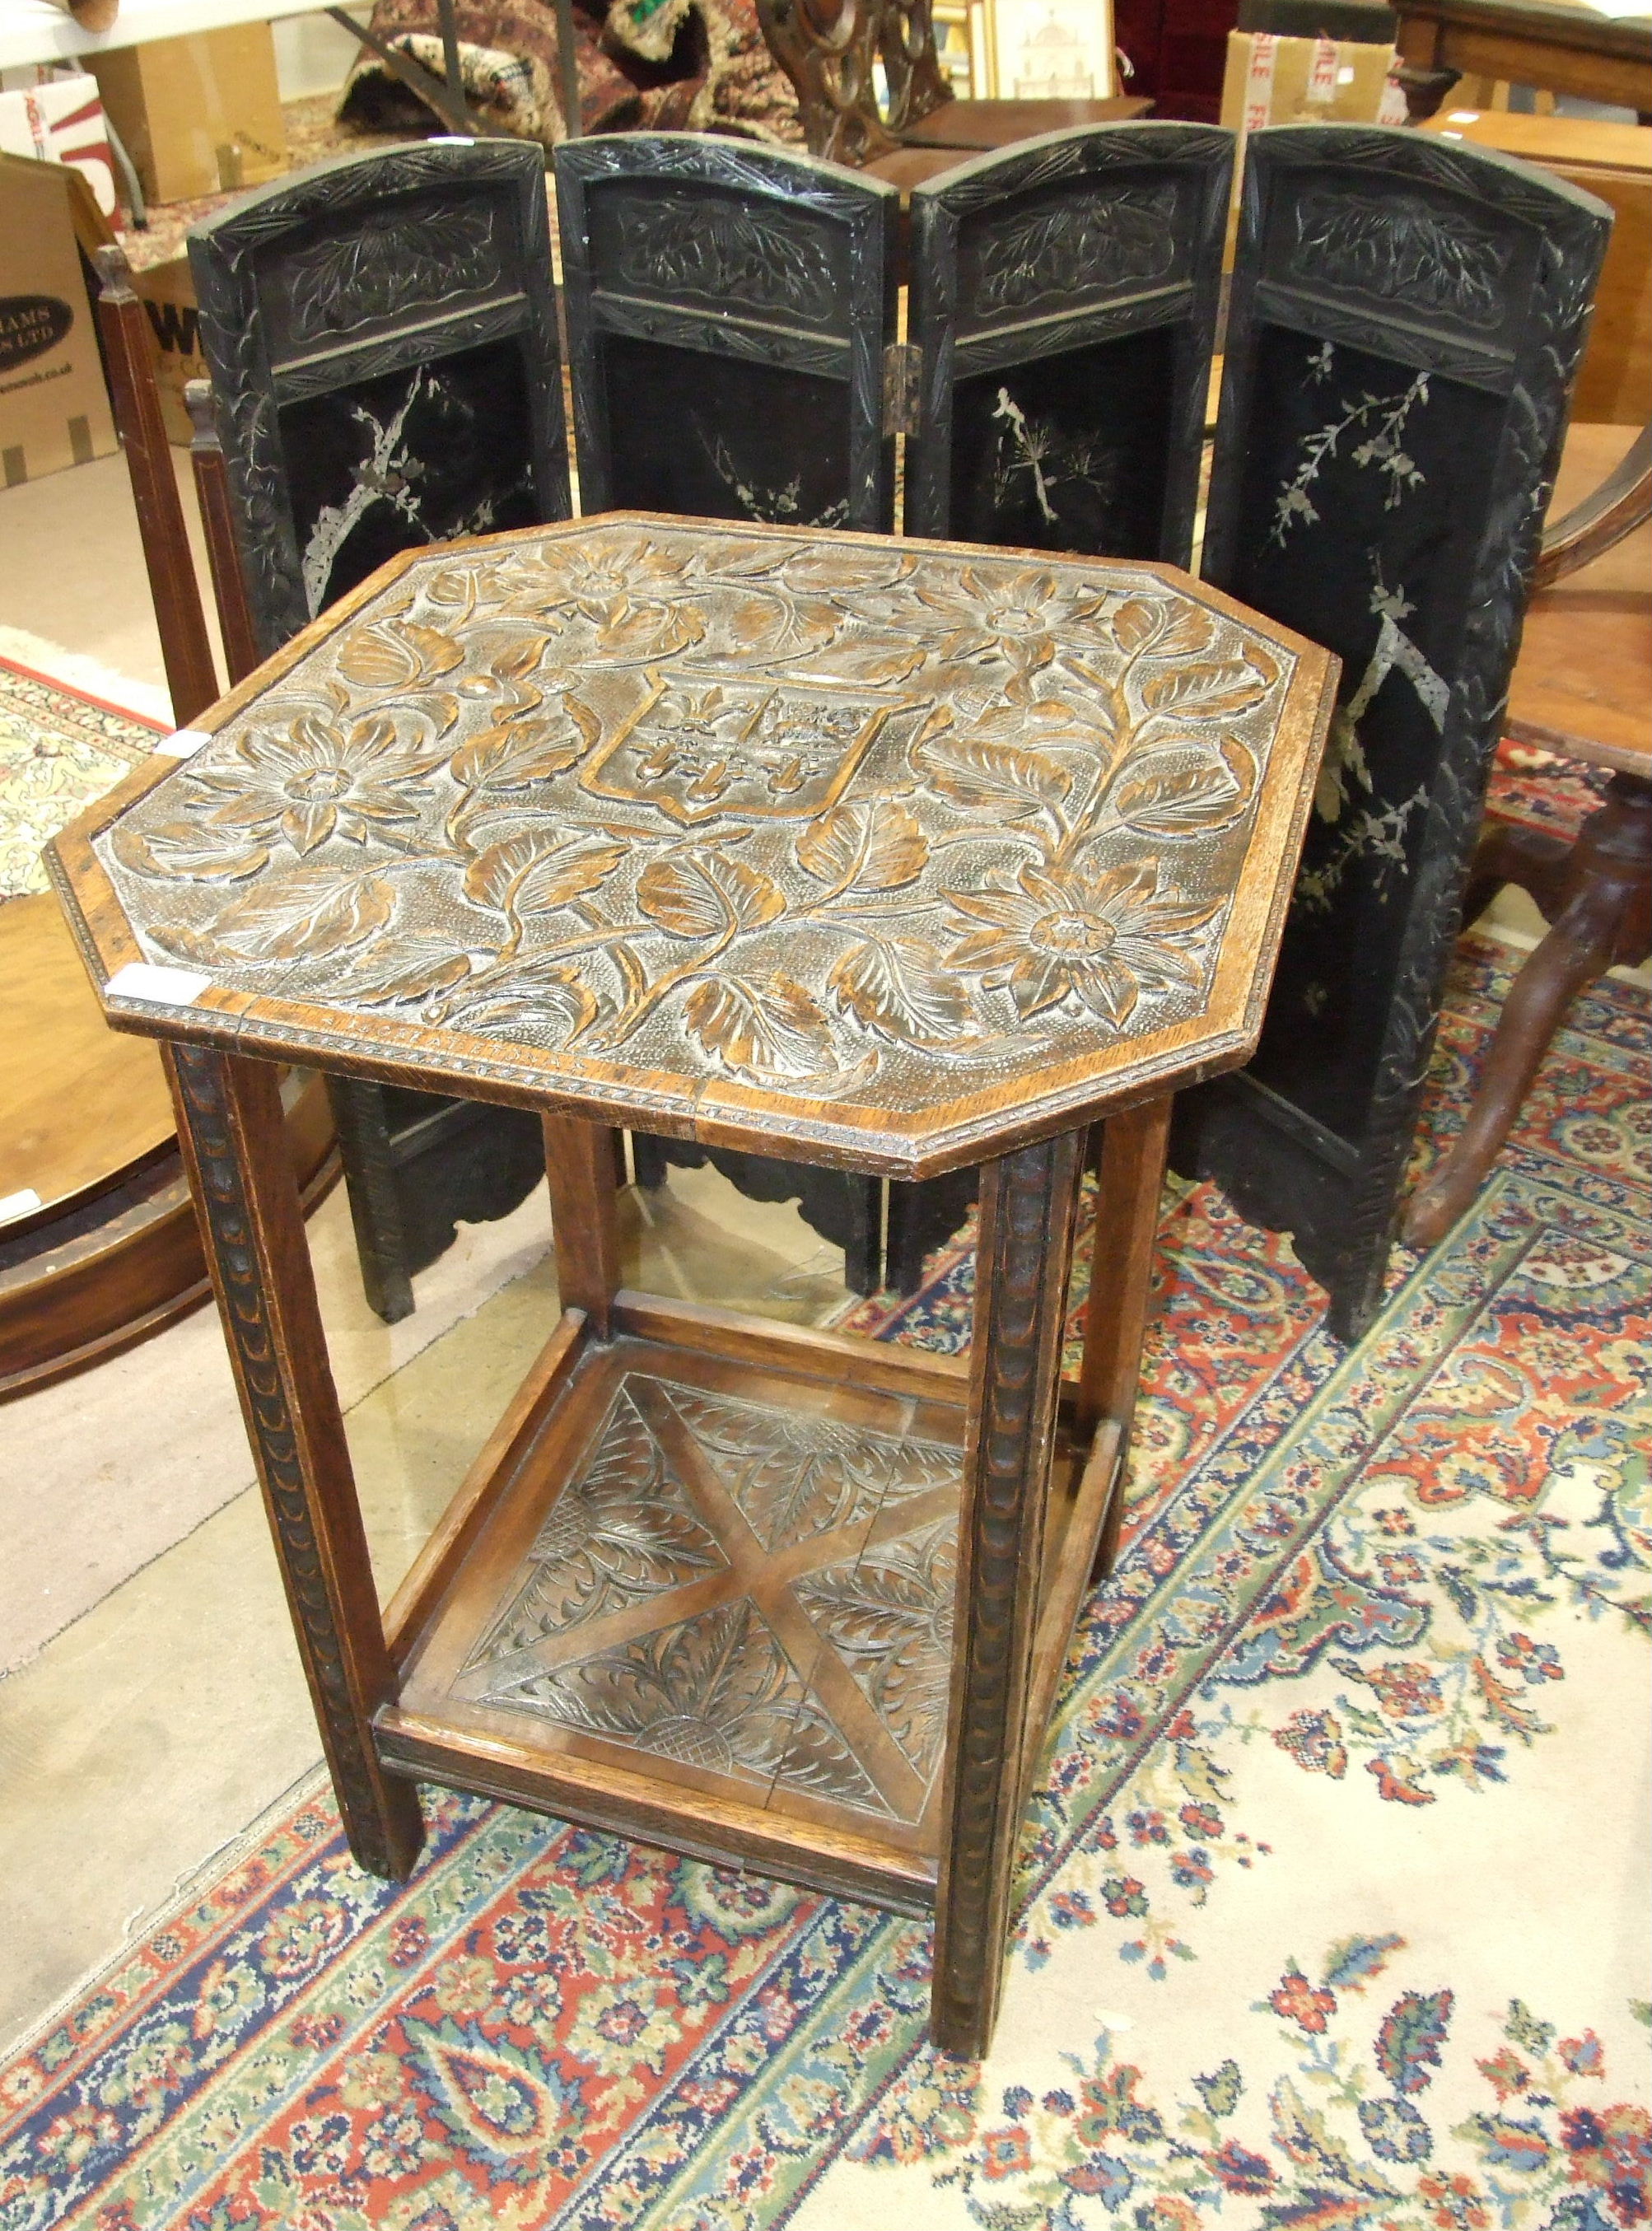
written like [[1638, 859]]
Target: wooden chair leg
[[1509, 854], [363, 1125], [1029, 1206], [212, 493], [191, 678], [579, 1164], [1604, 916], [231, 1129], [1131, 1171]]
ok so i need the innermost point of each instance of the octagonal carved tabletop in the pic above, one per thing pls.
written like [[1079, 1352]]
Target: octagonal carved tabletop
[[892, 853]]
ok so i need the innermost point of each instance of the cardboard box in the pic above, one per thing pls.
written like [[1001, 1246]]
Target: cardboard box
[[167, 293], [201, 115], [1613, 161], [1274, 80], [61, 120], [1270, 80], [54, 407]]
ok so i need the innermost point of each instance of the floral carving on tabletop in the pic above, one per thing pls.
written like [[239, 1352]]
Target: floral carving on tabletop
[[792, 813]]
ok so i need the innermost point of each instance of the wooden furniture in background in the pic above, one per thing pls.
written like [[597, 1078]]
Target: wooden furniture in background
[[1584, 689], [1407, 314], [831, 49], [1177, 50], [110, 1251], [832, 846], [1563, 45], [1614, 162]]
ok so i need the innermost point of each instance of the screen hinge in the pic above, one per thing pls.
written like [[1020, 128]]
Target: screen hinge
[[903, 371]]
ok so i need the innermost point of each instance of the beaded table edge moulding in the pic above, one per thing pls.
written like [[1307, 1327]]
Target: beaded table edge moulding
[[787, 840]]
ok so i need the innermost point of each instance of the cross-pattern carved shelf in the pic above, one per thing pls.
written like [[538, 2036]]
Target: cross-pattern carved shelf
[[737, 1582]]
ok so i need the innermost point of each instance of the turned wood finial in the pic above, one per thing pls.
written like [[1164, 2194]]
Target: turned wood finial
[[115, 272], [199, 402]]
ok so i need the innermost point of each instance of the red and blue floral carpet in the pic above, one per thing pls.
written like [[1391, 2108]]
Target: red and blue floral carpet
[[1334, 1907]]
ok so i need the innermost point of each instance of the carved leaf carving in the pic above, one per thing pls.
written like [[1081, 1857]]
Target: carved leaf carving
[[398, 969], [769, 1030], [397, 653], [1171, 630], [973, 771], [307, 913], [540, 870], [1184, 791], [896, 988], [512, 753], [704, 894], [1215, 689], [532, 993], [869, 848], [194, 851]]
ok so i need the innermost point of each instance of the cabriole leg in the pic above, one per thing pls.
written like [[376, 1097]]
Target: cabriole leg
[[235, 1147], [1029, 1203]]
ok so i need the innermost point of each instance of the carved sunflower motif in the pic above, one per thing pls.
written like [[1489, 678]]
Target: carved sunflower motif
[[603, 581], [1018, 620], [318, 780], [1093, 939]]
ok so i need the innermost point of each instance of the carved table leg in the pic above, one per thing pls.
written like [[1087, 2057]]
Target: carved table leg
[[359, 1118], [1603, 914], [234, 1139], [580, 1165], [1029, 1203], [1132, 1174]]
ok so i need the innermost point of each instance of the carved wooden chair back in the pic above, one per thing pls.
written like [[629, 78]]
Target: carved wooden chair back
[[832, 51], [1405, 321], [728, 310], [1064, 299], [829, 50], [382, 337]]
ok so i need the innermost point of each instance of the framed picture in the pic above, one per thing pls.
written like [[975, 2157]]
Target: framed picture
[[1050, 49]]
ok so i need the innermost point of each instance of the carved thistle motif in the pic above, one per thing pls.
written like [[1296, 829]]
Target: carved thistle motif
[[385, 266], [831, 1680], [1076, 248], [1404, 249], [718, 252], [833, 817]]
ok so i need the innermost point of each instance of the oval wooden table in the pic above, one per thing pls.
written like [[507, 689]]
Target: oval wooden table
[[896, 857]]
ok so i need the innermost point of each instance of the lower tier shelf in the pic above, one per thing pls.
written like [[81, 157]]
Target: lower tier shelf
[[729, 1582]]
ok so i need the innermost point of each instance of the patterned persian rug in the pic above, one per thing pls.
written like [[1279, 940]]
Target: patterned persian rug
[[1333, 1905], [59, 750]]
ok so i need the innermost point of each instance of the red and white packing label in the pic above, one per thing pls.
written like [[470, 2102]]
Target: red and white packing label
[[1259, 80], [1391, 108], [1322, 72]]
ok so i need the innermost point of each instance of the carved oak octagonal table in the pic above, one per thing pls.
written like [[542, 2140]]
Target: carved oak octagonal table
[[895, 856]]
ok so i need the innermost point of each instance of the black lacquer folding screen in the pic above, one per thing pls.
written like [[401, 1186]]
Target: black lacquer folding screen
[[728, 310], [382, 337], [1406, 319], [1063, 305], [1064, 300]]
